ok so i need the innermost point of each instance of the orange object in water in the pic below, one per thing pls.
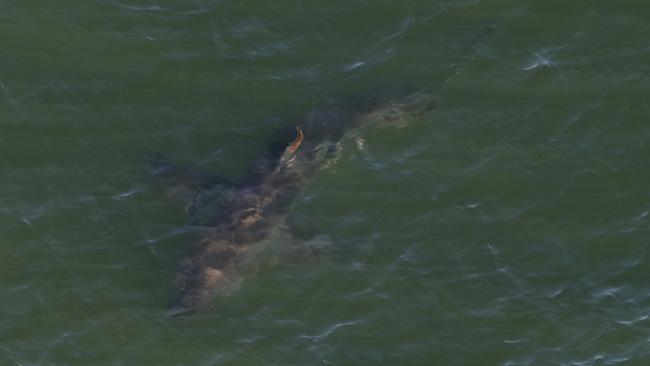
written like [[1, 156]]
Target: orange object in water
[[296, 143]]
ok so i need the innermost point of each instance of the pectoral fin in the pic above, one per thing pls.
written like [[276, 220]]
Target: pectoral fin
[[186, 183], [286, 247], [165, 170]]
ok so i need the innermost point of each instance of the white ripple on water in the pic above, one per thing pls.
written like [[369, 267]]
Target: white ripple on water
[[544, 59], [11, 354], [301, 73], [202, 8], [354, 65], [553, 293], [381, 50], [641, 216], [634, 321], [470, 205], [259, 41], [159, 34], [127, 194], [368, 62], [156, 8], [515, 341], [635, 222], [330, 330], [482, 163], [588, 362], [607, 292], [601, 359], [525, 362], [538, 62], [174, 232], [33, 214], [25, 220]]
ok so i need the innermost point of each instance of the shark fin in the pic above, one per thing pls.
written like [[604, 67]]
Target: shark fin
[[184, 183], [287, 246]]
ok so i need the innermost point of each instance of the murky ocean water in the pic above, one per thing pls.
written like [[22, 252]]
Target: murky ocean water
[[507, 227]]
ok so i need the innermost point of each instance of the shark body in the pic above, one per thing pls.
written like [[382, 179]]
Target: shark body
[[254, 210]]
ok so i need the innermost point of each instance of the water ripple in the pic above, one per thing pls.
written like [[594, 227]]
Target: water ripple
[[144, 8], [330, 330]]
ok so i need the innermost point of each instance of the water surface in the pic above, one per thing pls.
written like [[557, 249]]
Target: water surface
[[508, 227]]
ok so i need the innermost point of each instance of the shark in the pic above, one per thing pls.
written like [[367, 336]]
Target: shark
[[239, 220]]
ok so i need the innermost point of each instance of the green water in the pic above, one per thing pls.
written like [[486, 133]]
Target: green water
[[508, 227]]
